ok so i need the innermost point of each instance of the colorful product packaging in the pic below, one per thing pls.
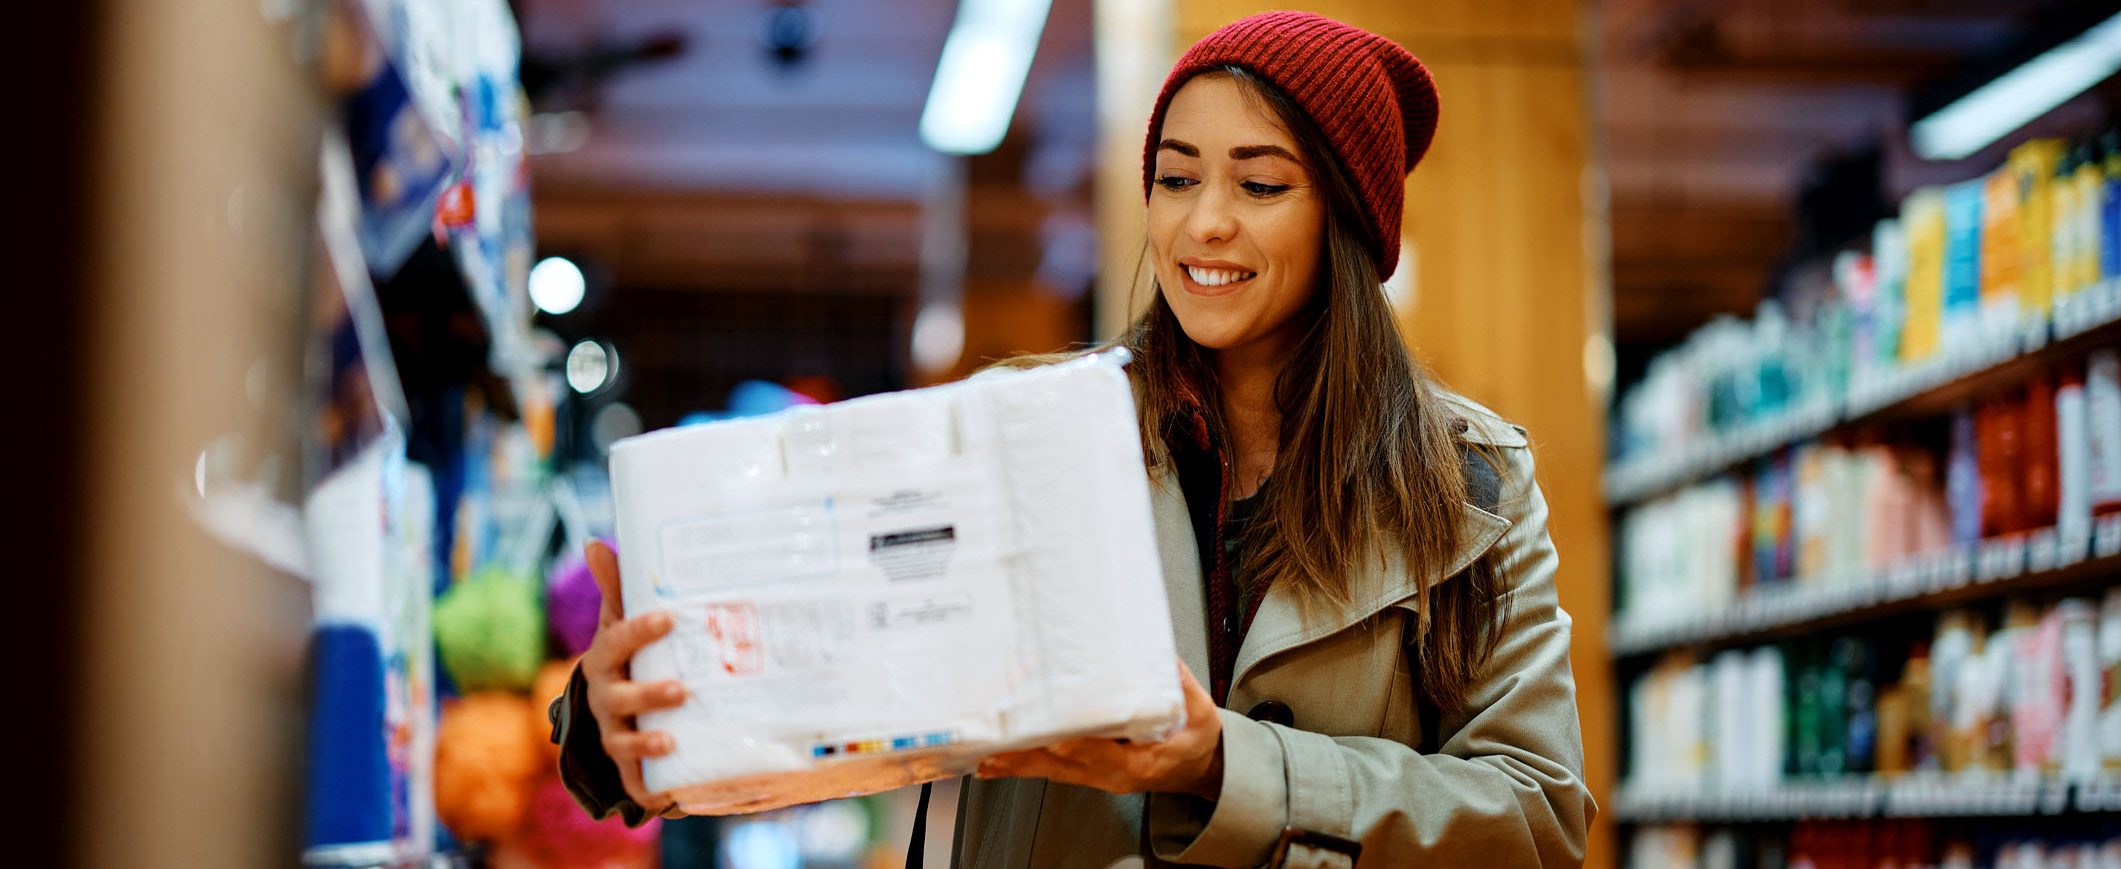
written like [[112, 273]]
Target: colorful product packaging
[[1924, 215]]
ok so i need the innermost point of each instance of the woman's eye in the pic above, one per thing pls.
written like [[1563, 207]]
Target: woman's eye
[[1257, 188], [1174, 183]]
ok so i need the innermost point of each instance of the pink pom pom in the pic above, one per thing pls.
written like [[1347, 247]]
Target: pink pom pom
[[556, 832], [571, 604]]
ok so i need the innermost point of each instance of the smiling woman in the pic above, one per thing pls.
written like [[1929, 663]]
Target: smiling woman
[[1367, 552], [1361, 583]]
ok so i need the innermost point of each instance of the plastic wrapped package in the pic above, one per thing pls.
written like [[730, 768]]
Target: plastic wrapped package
[[879, 592]]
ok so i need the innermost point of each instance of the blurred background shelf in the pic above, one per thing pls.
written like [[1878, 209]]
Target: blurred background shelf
[[1997, 568], [1869, 797], [2003, 357]]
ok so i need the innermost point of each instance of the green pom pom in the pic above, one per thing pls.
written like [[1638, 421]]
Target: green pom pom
[[490, 630]]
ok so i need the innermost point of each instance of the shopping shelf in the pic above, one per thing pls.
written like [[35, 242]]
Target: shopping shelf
[[1919, 795], [384, 856], [2002, 566], [1999, 355]]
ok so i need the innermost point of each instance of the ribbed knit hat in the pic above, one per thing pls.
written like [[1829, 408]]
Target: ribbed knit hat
[[1371, 98]]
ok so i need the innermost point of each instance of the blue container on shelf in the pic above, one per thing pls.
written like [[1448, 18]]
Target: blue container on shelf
[[348, 803]]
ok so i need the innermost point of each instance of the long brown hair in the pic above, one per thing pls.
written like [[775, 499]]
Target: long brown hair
[[1369, 461]]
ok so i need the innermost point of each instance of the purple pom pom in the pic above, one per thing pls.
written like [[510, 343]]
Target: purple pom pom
[[572, 603]]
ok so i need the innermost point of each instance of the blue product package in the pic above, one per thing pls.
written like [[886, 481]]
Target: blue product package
[[1962, 480], [401, 165], [2110, 223], [1962, 256], [349, 799]]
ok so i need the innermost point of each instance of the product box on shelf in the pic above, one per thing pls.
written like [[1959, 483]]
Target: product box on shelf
[[878, 592]]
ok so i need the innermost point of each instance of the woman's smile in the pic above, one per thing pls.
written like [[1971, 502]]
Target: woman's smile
[[1204, 277]]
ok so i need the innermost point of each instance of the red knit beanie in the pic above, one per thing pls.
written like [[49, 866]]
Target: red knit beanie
[[1371, 98]]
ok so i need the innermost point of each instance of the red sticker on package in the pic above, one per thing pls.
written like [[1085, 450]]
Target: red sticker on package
[[734, 627]]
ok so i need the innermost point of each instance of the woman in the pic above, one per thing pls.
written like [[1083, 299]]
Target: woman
[[1357, 560]]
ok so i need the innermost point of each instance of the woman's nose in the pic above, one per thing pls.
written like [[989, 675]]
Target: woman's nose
[[1212, 219]]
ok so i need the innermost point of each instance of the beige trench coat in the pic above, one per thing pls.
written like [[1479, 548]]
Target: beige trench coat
[[1504, 787]]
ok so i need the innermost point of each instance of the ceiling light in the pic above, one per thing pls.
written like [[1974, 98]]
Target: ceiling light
[[2034, 88], [984, 62], [590, 366], [938, 337], [556, 285]]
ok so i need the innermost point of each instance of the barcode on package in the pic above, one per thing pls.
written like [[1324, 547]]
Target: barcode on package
[[920, 553]]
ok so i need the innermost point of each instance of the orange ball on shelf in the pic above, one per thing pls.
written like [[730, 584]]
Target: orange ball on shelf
[[485, 763]]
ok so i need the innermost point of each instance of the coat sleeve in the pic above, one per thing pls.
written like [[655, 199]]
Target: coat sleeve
[[589, 774], [1504, 789]]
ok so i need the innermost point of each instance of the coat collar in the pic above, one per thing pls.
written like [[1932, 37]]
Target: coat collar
[[1280, 626]]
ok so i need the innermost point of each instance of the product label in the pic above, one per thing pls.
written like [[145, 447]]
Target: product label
[[719, 552], [733, 633], [916, 612]]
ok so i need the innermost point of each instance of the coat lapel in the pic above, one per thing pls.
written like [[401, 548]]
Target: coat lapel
[[1182, 576], [1380, 583]]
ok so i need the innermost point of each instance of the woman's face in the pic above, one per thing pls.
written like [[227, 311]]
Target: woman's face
[[1235, 225]]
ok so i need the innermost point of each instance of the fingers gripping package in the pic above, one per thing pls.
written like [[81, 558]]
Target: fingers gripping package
[[878, 592]]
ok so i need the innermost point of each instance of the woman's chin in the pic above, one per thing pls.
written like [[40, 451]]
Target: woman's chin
[[1214, 336]]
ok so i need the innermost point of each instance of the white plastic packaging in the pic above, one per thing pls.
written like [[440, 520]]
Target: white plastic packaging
[[2080, 656], [879, 592], [2073, 517], [2109, 645], [2102, 413]]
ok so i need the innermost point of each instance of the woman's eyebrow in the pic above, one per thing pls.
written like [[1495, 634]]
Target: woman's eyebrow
[[1180, 147], [1247, 152]]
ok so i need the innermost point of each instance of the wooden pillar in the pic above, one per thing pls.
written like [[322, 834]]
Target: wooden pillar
[[1503, 289], [190, 653]]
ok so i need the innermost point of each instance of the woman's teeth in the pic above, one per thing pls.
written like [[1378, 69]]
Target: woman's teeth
[[1217, 277]]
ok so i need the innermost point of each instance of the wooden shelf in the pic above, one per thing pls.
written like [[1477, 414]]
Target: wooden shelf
[[2010, 565], [2003, 355]]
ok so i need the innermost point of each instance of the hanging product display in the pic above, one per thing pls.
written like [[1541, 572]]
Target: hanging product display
[[403, 156], [367, 524]]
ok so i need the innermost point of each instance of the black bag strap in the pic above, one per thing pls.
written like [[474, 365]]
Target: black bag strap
[[914, 858]]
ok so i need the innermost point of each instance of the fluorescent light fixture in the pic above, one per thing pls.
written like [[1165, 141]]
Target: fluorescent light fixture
[[2036, 87], [985, 60]]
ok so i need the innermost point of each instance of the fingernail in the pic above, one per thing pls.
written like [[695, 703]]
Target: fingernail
[[662, 742], [660, 622], [673, 693]]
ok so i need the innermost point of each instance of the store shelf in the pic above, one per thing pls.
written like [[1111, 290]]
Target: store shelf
[[1911, 796], [1997, 567], [1999, 354], [385, 857]]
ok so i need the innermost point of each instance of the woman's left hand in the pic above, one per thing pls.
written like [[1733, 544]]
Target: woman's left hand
[[1188, 762]]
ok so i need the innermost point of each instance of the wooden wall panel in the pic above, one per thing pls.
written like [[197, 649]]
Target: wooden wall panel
[[1510, 309]]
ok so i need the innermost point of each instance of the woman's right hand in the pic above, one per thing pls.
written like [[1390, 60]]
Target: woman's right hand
[[613, 697]]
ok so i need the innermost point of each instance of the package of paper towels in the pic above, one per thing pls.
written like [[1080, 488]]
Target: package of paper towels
[[879, 592]]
